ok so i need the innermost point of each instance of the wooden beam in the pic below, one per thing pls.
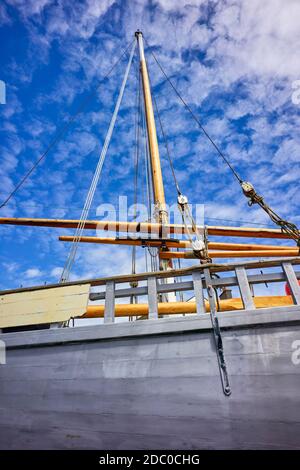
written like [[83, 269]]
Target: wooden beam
[[232, 254], [245, 246], [127, 241], [144, 227], [173, 244], [248, 232], [173, 308]]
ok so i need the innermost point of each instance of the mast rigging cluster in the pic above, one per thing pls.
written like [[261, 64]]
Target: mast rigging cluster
[[247, 188]]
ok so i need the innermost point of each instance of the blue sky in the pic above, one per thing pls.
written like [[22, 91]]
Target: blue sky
[[234, 62]]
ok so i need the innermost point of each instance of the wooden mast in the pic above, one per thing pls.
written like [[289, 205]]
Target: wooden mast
[[157, 179]]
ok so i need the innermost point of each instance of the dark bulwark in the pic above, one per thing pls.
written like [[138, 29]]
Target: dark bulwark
[[154, 385]]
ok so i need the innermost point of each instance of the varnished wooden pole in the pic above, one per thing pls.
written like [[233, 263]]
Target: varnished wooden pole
[[232, 254], [144, 227], [158, 186], [127, 241], [173, 308], [174, 244]]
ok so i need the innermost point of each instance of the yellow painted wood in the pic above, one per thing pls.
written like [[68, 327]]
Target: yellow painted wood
[[51, 305], [233, 254], [174, 308]]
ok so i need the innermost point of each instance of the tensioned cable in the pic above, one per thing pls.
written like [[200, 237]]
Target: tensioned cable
[[196, 118], [71, 258], [136, 159], [148, 187], [153, 252], [63, 129], [184, 208]]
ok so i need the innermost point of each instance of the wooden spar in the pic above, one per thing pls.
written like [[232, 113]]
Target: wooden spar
[[157, 179], [173, 308], [173, 244], [128, 241], [232, 254], [144, 227]]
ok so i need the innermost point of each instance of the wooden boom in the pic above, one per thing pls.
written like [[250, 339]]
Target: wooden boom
[[144, 227], [173, 243], [232, 254]]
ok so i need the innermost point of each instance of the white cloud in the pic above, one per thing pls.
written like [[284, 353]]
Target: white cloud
[[289, 152], [32, 273], [30, 7], [56, 272], [10, 268], [4, 17]]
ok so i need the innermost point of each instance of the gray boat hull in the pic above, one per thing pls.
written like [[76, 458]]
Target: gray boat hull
[[154, 385]]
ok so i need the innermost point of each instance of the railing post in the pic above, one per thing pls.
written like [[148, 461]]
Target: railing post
[[152, 298], [198, 290], [109, 309], [292, 281], [244, 288]]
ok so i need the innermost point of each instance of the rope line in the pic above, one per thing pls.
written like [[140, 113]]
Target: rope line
[[71, 258], [136, 158]]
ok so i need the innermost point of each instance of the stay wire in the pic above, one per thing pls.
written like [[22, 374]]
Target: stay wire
[[63, 129], [87, 205], [136, 159]]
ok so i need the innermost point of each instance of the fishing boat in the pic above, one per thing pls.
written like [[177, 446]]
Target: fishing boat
[[199, 360]]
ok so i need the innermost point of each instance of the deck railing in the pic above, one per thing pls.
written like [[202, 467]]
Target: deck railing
[[202, 281]]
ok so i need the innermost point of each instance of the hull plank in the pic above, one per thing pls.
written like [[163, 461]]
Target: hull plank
[[152, 390]]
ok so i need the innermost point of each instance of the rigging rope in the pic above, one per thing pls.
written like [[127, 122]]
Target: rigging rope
[[153, 252], [199, 242], [60, 133], [136, 160], [286, 227], [71, 258], [149, 188]]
